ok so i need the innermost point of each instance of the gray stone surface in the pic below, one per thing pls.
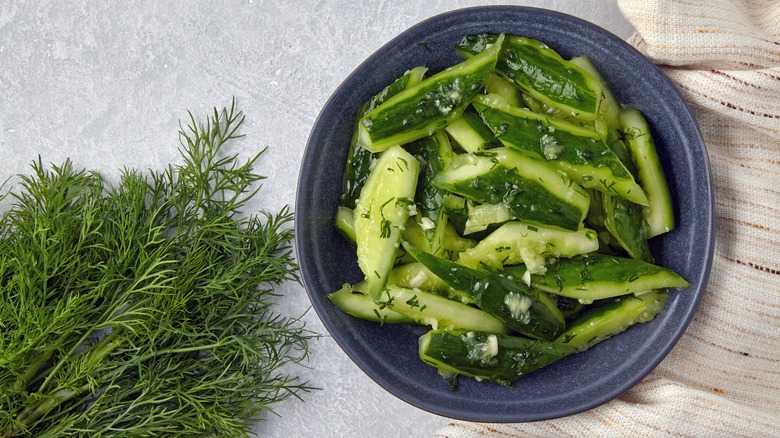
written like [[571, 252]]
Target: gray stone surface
[[106, 83]]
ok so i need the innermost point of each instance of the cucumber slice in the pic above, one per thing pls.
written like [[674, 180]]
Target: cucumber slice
[[434, 153], [542, 73], [607, 320], [415, 275], [470, 219], [499, 85], [659, 212], [482, 217], [626, 223], [609, 107], [437, 311], [499, 358], [598, 276], [421, 110], [531, 189], [569, 307], [471, 133], [614, 140], [354, 301], [516, 242], [576, 150], [381, 212], [523, 309], [345, 223], [359, 159]]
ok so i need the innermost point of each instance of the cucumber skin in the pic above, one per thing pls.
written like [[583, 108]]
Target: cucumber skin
[[489, 292], [516, 242], [539, 208], [578, 151], [419, 111], [358, 164], [600, 276], [609, 108], [616, 316], [626, 223], [452, 351], [541, 72], [520, 189]]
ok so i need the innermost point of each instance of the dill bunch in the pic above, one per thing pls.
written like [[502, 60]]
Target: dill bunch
[[146, 309]]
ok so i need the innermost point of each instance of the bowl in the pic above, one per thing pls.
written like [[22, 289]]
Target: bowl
[[576, 383]]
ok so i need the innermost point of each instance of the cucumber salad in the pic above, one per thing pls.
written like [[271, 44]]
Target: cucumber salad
[[506, 203]]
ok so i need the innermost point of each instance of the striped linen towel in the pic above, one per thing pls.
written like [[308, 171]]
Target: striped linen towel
[[723, 377]]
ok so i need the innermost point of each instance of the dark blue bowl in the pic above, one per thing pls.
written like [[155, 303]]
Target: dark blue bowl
[[579, 382]]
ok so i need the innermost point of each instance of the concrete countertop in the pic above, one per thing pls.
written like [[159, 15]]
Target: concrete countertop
[[106, 83]]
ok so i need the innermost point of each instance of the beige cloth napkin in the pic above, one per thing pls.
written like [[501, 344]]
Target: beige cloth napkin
[[723, 377]]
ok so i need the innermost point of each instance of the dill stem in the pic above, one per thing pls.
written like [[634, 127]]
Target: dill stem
[[32, 375], [72, 352], [182, 350], [62, 395]]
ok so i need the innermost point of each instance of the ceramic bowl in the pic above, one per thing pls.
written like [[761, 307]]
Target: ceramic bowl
[[576, 383]]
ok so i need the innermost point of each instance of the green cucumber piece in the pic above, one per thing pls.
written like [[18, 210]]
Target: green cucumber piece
[[531, 189], [454, 243], [471, 133], [542, 73], [451, 243], [614, 317], [434, 153], [437, 311], [415, 275], [499, 85], [457, 211], [659, 212], [523, 309], [614, 140], [626, 223], [419, 111], [381, 212], [576, 150], [517, 242], [609, 107], [595, 221], [569, 307], [486, 217], [470, 219], [359, 159], [598, 276], [539, 107], [359, 304], [345, 223], [499, 358]]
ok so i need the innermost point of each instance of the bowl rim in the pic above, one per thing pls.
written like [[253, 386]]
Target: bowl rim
[[318, 300]]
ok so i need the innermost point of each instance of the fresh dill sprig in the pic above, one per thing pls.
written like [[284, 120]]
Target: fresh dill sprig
[[146, 308]]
